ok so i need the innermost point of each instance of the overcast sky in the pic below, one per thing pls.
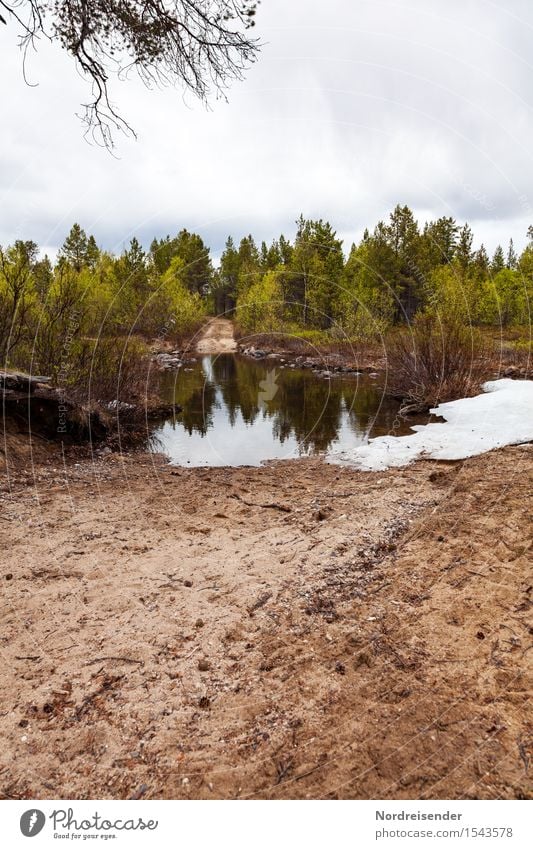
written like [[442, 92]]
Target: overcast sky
[[352, 107]]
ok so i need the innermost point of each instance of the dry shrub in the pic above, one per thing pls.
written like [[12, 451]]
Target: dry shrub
[[513, 360], [434, 361], [112, 369]]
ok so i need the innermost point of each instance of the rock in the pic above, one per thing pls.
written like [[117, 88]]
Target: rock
[[168, 362], [512, 371], [20, 382]]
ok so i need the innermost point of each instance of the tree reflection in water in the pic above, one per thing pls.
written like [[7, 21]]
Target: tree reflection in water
[[238, 411]]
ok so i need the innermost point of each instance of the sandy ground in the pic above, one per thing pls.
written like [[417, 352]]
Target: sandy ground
[[297, 630], [217, 337]]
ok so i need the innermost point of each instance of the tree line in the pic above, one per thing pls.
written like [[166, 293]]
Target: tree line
[[394, 273], [397, 271]]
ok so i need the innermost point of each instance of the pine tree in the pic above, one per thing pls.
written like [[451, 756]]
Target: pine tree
[[316, 268], [92, 254], [74, 249], [481, 263], [226, 291], [512, 259], [440, 241], [498, 261], [408, 280], [463, 252]]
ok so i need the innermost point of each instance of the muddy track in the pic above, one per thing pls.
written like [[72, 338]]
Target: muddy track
[[217, 337]]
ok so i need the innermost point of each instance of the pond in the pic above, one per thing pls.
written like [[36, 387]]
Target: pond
[[238, 412]]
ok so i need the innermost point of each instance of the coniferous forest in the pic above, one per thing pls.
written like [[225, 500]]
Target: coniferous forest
[[309, 285]]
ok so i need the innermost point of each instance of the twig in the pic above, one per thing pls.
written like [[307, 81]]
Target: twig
[[381, 587], [309, 771], [271, 505], [261, 601], [524, 757], [117, 659], [139, 792]]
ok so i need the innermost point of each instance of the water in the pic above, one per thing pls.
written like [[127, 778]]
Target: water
[[238, 411]]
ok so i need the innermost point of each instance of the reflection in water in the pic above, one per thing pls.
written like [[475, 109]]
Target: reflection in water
[[240, 412]]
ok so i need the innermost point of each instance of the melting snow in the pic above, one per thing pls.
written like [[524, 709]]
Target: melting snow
[[501, 416]]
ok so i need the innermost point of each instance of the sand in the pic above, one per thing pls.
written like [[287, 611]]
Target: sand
[[295, 631]]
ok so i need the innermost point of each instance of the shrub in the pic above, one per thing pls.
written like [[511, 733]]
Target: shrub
[[435, 360], [111, 369]]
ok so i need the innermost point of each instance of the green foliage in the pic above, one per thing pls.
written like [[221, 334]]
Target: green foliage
[[366, 304], [197, 268], [262, 307], [394, 274], [48, 314]]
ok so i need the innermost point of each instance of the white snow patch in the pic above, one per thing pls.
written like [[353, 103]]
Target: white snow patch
[[502, 416]]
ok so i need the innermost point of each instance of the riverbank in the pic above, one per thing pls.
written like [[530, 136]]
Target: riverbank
[[291, 631]]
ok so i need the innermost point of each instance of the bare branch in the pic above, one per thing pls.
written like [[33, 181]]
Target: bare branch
[[202, 45]]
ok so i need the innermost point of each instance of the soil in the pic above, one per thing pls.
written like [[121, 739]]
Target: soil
[[217, 337], [293, 631]]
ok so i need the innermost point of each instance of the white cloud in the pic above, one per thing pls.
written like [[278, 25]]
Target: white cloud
[[351, 108]]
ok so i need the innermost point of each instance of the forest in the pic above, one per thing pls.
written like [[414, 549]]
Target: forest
[[63, 318]]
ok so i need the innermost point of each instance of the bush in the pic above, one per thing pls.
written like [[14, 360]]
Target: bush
[[111, 369], [435, 361]]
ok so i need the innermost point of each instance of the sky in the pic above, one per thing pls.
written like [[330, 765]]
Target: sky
[[351, 108]]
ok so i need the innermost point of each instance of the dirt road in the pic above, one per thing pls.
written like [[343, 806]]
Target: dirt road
[[297, 630], [217, 337]]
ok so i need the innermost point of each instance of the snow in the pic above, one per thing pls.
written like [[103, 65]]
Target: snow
[[503, 415]]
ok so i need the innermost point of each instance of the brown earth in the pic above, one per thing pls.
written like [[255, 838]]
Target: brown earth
[[297, 630], [216, 337]]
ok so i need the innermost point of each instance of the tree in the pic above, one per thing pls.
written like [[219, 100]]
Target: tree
[[228, 278], [510, 298], [463, 252], [79, 250], [92, 254], [200, 44], [407, 246], [498, 261], [512, 259], [16, 284], [132, 285], [316, 267], [481, 263], [43, 275], [191, 249], [366, 303], [440, 239], [262, 307]]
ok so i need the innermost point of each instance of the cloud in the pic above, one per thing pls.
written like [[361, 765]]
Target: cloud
[[351, 108]]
